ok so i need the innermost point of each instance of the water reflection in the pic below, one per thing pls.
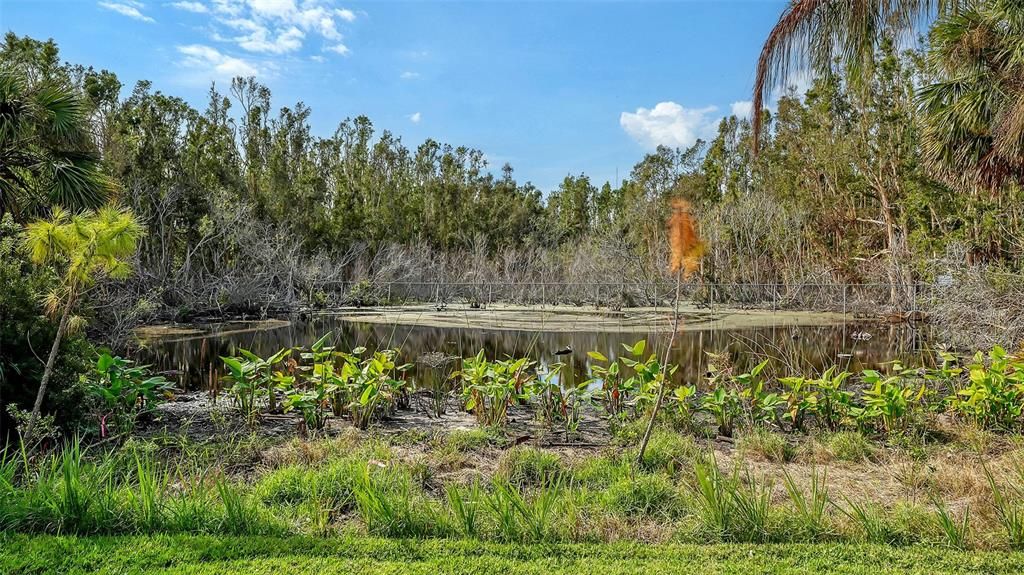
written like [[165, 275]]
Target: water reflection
[[194, 360]]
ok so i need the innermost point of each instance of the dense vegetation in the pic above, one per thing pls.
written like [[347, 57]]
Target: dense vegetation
[[247, 209], [985, 392], [408, 484], [897, 166]]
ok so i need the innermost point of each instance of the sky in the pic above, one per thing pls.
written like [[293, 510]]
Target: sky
[[553, 88]]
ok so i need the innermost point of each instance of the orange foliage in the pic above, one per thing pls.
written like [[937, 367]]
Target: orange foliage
[[687, 248]]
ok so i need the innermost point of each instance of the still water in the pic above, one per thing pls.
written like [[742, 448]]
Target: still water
[[193, 357]]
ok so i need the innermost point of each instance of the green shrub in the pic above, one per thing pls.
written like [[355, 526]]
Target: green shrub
[[26, 331]]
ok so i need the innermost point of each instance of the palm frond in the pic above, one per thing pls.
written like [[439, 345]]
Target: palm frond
[[811, 34], [61, 109]]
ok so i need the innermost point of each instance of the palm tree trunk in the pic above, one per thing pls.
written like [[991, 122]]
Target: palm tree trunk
[[48, 371]]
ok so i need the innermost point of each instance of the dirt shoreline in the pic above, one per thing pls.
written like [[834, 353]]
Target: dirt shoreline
[[508, 317]]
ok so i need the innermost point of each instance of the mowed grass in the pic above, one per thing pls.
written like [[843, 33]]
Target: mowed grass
[[198, 555]]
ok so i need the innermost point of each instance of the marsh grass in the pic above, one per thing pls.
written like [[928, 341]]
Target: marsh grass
[[751, 501], [850, 446], [1008, 508], [955, 533], [464, 503], [390, 506], [669, 452], [714, 500], [869, 519], [526, 466], [644, 496], [810, 507], [768, 445], [533, 496], [522, 517]]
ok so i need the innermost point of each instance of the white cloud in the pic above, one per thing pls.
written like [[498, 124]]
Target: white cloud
[[742, 109], [128, 8], [272, 8], [197, 7], [227, 7], [669, 124], [317, 58], [259, 40], [415, 118], [212, 64], [276, 26], [409, 75], [339, 49]]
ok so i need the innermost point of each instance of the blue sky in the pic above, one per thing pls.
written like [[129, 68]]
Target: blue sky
[[553, 88]]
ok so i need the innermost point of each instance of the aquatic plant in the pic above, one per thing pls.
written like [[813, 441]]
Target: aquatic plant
[[994, 393], [490, 387], [371, 384], [124, 390], [251, 376]]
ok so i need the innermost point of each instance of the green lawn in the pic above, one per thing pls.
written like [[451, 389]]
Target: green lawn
[[197, 555]]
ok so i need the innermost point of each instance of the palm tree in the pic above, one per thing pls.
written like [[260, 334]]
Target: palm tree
[[88, 245], [812, 34], [974, 112], [46, 155]]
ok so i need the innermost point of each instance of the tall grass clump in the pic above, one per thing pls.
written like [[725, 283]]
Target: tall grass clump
[[713, 495], [810, 507], [193, 509], [669, 452], [850, 446], [464, 504], [389, 507], [901, 524], [522, 518], [526, 466], [751, 504], [652, 496], [767, 445], [731, 507], [955, 533], [331, 485], [242, 514], [1009, 512], [146, 499], [70, 494]]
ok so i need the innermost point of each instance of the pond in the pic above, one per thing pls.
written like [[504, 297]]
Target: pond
[[191, 354]]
